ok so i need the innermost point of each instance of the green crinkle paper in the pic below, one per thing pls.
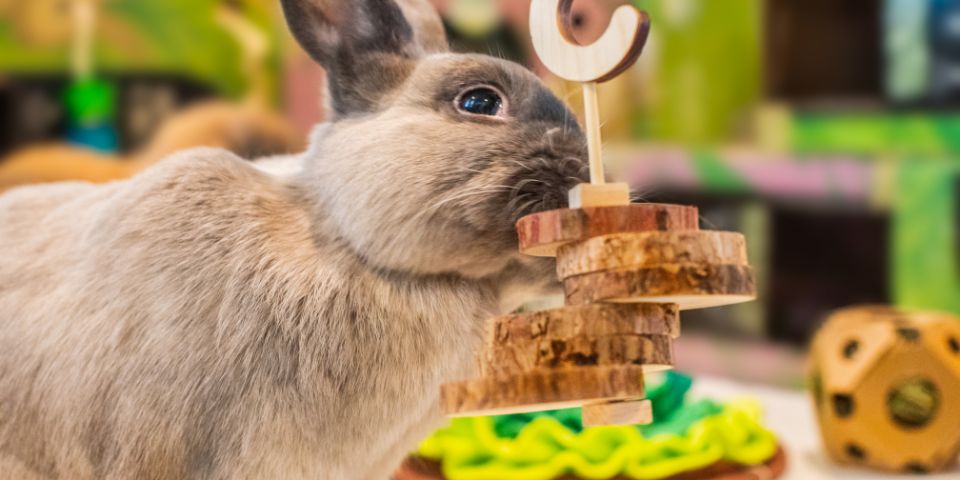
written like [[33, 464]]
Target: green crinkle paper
[[687, 436]]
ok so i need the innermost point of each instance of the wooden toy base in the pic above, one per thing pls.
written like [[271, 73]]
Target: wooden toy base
[[417, 468]]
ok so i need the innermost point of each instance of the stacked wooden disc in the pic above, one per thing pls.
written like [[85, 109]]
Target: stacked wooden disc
[[627, 271]]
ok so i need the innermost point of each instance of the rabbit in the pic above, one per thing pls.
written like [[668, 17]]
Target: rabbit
[[214, 318]]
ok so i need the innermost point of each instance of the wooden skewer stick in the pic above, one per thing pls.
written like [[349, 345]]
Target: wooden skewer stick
[[591, 107]]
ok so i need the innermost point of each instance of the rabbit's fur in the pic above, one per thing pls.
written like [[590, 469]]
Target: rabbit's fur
[[213, 319]]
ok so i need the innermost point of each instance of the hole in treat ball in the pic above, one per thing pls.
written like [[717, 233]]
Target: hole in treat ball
[[914, 403], [954, 345], [850, 349], [915, 467], [578, 19], [842, 405], [909, 334], [856, 452]]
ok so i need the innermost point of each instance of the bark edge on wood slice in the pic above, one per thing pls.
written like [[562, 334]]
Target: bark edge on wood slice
[[652, 352], [547, 389], [648, 249], [542, 233], [597, 319], [689, 286]]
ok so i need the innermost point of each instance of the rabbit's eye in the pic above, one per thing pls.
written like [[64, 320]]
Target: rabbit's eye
[[481, 101]]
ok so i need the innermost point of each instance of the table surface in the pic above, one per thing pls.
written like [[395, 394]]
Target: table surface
[[790, 415]]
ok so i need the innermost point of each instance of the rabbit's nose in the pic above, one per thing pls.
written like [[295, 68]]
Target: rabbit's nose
[[566, 143]]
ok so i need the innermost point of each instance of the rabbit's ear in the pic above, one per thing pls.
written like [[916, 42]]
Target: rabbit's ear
[[368, 47], [428, 29]]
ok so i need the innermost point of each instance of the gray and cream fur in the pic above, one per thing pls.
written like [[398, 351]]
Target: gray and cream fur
[[293, 318]]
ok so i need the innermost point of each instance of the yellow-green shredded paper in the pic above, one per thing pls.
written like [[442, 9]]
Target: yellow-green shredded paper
[[685, 437]]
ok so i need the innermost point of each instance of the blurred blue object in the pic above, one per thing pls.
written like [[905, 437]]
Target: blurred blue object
[[922, 40], [91, 111], [944, 37], [102, 137], [907, 52]]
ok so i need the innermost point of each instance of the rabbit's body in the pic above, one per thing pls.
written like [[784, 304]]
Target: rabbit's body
[[284, 354], [213, 319]]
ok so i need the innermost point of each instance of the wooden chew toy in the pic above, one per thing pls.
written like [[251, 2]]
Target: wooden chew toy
[[627, 269], [886, 388]]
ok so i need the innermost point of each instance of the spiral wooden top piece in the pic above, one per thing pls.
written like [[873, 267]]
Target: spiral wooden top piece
[[616, 50]]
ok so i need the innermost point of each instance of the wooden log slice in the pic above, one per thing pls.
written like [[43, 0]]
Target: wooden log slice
[[689, 286], [649, 249], [541, 390], [584, 320], [653, 352], [542, 233]]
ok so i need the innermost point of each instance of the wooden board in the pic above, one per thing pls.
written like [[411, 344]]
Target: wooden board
[[648, 249], [542, 233], [689, 286], [541, 390], [653, 352]]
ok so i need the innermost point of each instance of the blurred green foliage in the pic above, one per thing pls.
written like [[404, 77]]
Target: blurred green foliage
[[151, 36], [925, 223], [879, 133], [706, 57]]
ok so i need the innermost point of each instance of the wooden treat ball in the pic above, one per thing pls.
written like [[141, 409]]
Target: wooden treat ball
[[886, 385]]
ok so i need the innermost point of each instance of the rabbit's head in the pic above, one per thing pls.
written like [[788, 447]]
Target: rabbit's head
[[430, 157]]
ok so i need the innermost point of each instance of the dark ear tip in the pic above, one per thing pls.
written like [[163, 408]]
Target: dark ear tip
[[364, 45], [328, 28], [306, 25]]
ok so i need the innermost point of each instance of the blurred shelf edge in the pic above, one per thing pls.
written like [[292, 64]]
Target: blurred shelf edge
[[823, 179], [750, 360], [829, 181]]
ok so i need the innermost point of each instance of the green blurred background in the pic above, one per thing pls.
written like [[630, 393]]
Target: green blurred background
[[827, 131]]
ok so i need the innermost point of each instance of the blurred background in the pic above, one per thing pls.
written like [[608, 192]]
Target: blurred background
[[827, 131]]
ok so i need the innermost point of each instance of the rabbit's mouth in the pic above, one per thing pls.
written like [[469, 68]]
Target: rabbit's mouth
[[543, 184]]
